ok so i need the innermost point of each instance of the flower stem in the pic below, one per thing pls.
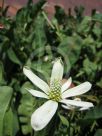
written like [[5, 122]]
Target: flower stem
[[93, 126], [47, 19], [52, 26]]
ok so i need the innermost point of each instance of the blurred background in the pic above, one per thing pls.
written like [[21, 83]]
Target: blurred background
[[88, 4]]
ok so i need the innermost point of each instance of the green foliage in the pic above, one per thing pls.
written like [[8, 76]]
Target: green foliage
[[11, 125], [26, 107], [73, 47], [98, 132], [12, 56], [31, 39], [5, 97], [1, 72], [64, 120], [94, 113]]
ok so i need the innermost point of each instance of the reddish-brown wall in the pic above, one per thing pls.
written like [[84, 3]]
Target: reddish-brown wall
[[88, 4]]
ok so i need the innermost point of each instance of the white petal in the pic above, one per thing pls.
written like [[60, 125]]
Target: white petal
[[57, 71], [78, 90], [77, 103], [84, 108], [37, 93], [36, 80], [66, 85], [66, 107], [42, 116], [69, 107]]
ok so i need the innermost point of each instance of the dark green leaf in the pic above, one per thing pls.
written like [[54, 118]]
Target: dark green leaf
[[12, 56], [11, 125], [1, 72], [71, 46], [26, 108], [64, 120], [98, 132], [99, 83], [95, 113], [5, 97]]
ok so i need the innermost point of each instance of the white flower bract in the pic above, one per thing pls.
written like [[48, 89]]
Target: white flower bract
[[55, 93]]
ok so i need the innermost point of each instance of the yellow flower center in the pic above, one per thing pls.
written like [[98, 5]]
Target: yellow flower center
[[55, 91]]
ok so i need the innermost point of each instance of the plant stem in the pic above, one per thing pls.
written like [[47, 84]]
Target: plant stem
[[93, 126], [49, 22], [52, 26], [97, 20]]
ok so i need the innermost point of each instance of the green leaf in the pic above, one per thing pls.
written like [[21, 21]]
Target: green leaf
[[41, 133], [11, 125], [90, 68], [99, 83], [1, 72], [40, 38], [43, 68], [60, 14], [71, 46], [95, 113], [12, 56], [5, 97], [84, 27], [26, 108], [97, 17], [64, 120], [2, 81], [98, 132]]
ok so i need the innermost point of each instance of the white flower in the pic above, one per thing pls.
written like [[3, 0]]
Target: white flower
[[55, 93]]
